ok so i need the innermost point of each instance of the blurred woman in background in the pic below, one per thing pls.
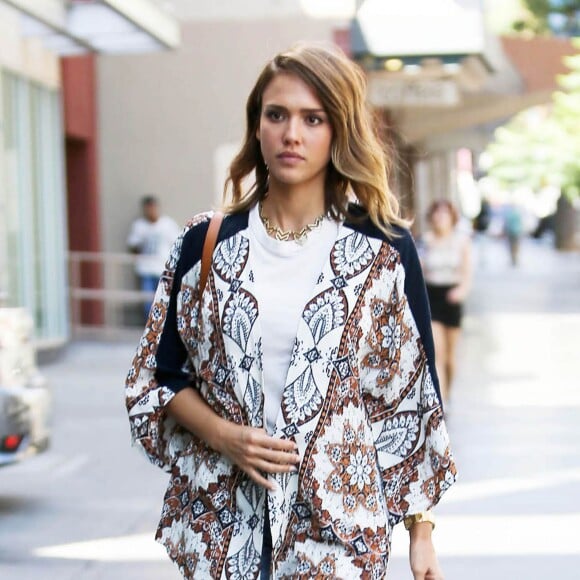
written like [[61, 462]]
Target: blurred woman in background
[[447, 266]]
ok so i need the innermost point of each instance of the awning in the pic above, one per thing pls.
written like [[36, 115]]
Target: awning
[[420, 52], [417, 29], [104, 26]]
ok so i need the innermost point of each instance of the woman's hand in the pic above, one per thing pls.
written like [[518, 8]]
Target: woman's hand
[[255, 452], [422, 557], [251, 449], [456, 295]]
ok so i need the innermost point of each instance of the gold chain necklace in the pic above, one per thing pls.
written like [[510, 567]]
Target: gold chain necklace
[[288, 235]]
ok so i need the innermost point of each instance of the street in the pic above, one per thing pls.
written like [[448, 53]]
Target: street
[[88, 508]]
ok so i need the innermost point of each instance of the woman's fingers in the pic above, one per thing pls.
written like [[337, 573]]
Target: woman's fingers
[[258, 445], [256, 477], [268, 467], [277, 456], [257, 453], [260, 438]]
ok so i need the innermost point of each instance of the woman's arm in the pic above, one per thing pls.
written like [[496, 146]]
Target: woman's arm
[[251, 449], [422, 557], [461, 291]]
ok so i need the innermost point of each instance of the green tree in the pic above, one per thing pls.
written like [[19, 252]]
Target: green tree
[[566, 113], [538, 15], [541, 146]]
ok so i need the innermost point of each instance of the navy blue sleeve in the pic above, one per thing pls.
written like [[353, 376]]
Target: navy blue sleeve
[[172, 368], [417, 298]]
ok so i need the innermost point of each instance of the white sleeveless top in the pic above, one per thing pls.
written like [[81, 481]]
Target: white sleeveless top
[[442, 258], [285, 274]]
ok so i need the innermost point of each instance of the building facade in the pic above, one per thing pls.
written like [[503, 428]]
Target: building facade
[[38, 133], [33, 230]]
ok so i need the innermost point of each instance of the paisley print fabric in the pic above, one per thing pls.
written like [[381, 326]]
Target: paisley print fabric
[[360, 401]]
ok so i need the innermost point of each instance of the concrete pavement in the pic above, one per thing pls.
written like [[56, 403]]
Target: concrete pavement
[[514, 421], [88, 507]]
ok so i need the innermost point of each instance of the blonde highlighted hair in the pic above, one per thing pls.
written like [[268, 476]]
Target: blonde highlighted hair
[[358, 162]]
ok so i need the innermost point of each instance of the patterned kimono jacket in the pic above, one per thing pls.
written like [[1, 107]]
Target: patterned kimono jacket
[[361, 401]]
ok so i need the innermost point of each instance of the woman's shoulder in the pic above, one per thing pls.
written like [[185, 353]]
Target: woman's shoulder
[[427, 238], [197, 226], [199, 218], [359, 219], [461, 237]]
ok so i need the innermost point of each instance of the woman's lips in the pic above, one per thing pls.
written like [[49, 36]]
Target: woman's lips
[[289, 157]]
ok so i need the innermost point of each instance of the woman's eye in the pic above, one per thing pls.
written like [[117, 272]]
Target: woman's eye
[[274, 115], [313, 120]]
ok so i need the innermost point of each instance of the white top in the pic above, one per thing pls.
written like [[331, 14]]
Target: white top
[[153, 241], [442, 258], [285, 274]]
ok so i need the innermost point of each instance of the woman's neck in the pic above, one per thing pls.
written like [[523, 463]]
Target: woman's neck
[[442, 234], [292, 208]]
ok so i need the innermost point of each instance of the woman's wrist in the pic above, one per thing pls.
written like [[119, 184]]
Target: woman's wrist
[[217, 431], [421, 531]]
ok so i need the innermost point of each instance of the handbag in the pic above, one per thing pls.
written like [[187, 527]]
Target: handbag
[[208, 248]]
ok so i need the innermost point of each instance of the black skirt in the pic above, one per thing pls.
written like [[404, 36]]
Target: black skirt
[[443, 311]]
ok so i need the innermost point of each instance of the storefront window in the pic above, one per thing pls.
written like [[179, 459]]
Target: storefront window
[[32, 197]]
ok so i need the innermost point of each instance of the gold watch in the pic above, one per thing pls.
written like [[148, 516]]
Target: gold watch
[[420, 517]]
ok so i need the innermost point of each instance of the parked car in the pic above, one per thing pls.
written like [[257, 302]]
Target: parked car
[[25, 401]]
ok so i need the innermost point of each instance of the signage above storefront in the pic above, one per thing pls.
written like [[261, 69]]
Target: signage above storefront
[[394, 93]]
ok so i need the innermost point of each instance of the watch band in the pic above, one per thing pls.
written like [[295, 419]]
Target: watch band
[[412, 519]]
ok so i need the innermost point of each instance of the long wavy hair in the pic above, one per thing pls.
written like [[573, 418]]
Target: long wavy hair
[[358, 165]]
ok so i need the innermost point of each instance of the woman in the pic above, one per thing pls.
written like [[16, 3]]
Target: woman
[[295, 402], [446, 259]]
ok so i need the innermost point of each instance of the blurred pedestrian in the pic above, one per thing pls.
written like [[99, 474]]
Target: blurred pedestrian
[[151, 237], [293, 397], [513, 230], [446, 259], [483, 218], [481, 224]]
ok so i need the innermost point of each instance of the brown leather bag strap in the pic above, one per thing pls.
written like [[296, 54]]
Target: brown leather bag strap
[[208, 247]]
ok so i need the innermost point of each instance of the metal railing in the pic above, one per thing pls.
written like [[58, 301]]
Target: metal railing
[[104, 299]]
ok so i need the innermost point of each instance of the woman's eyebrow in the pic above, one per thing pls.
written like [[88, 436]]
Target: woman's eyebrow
[[282, 108]]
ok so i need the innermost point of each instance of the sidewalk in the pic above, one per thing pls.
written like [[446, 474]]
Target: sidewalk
[[87, 509], [514, 421]]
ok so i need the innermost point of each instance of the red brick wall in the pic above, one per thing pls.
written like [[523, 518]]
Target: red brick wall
[[80, 119], [538, 59]]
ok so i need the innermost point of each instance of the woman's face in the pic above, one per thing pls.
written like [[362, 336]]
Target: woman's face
[[295, 134], [442, 219]]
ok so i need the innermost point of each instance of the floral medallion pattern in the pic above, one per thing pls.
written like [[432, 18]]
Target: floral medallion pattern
[[354, 476], [301, 400], [241, 311], [325, 313], [351, 255], [230, 258], [385, 337]]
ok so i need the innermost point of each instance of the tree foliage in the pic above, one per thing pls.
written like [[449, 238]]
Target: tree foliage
[[541, 146], [547, 16]]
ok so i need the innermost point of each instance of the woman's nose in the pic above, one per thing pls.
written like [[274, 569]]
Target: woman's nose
[[292, 131]]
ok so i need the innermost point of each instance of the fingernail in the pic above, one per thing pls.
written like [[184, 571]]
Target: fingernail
[[293, 468]]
